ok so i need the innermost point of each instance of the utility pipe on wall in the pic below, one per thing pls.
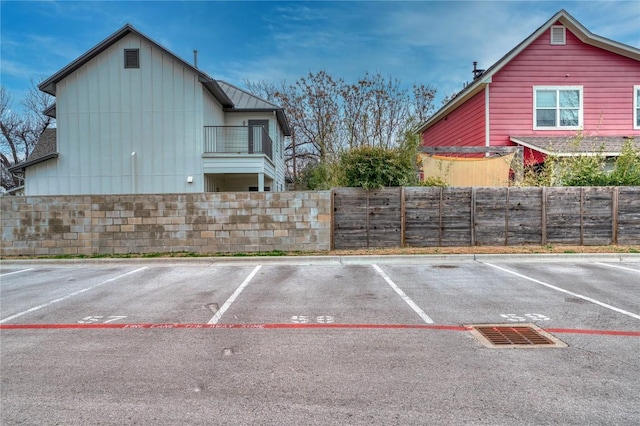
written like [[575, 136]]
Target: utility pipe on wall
[[133, 172]]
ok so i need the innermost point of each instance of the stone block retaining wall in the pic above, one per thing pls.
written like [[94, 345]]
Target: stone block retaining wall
[[142, 223]]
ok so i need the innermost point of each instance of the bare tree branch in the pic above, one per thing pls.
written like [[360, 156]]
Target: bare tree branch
[[20, 132]]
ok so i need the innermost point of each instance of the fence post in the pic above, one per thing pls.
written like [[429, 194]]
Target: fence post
[[367, 215], [440, 230], [543, 219], [333, 220], [582, 215], [506, 220], [402, 218], [473, 216], [614, 215]]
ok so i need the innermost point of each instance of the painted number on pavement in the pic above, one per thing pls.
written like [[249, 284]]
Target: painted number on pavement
[[100, 319], [305, 319], [525, 317]]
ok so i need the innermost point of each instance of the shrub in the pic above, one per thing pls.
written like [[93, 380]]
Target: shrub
[[587, 170], [375, 167]]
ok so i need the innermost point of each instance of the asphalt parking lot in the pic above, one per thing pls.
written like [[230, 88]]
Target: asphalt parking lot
[[319, 340]]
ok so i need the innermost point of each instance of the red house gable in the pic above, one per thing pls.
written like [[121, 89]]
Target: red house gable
[[560, 82]]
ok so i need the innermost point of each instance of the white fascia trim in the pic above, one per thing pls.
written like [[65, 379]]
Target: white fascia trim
[[564, 154], [528, 145], [636, 90], [487, 117]]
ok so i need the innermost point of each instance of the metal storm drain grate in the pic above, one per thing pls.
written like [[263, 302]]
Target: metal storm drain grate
[[514, 336]]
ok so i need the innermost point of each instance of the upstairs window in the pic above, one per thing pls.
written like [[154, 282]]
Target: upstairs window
[[558, 34], [636, 107], [132, 58], [557, 108]]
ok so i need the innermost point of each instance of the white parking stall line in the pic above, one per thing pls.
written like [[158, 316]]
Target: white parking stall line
[[75, 293], [233, 297], [553, 287], [404, 296], [16, 272], [618, 267]]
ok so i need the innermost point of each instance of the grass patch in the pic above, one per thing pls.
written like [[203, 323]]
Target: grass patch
[[524, 249], [152, 255]]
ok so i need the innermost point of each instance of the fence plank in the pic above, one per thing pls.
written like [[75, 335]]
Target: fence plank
[[456, 216], [563, 215], [525, 213], [629, 215], [384, 214], [423, 217], [350, 218], [597, 216], [490, 216]]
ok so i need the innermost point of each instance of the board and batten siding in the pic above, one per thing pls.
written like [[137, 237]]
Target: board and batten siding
[[461, 127], [213, 115], [607, 80], [106, 112]]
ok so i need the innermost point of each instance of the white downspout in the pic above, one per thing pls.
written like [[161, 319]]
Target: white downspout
[[487, 124], [133, 172]]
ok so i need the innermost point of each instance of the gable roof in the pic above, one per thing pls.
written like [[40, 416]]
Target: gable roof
[[45, 149], [49, 85], [563, 17], [247, 102]]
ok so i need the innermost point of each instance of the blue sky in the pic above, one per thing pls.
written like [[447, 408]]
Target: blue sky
[[432, 42]]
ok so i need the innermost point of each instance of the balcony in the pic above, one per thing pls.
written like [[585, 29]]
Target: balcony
[[237, 140]]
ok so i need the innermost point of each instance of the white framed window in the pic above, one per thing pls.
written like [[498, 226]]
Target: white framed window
[[558, 34], [557, 107], [636, 107]]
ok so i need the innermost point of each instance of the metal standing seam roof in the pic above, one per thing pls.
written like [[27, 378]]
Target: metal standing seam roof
[[244, 101]]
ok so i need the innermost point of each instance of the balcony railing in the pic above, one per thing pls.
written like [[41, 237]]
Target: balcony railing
[[237, 140]]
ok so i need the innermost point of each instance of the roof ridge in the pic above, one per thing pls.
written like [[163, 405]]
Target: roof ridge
[[586, 36]]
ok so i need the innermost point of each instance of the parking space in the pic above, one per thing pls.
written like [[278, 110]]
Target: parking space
[[325, 294], [562, 295], [318, 340]]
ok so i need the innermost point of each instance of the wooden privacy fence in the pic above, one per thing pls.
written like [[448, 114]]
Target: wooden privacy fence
[[485, 216]]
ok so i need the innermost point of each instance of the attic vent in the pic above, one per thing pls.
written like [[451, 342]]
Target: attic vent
[[132, 58], [558, 34]]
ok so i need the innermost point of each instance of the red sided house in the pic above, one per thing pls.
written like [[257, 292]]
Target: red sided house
[[561, 82]]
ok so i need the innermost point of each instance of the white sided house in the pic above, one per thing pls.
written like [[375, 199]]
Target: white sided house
[[132, 117]]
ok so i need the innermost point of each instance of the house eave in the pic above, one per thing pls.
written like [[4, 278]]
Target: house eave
[[214, 88], [51, 111], [472, 90], [24, 165], [567, 20], [49, 85], [568, 153]]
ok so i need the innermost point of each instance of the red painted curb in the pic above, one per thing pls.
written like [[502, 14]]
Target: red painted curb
[[293, 326]]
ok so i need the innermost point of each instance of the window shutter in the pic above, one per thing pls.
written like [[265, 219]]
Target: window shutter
[[558, 34], [132, 58]]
